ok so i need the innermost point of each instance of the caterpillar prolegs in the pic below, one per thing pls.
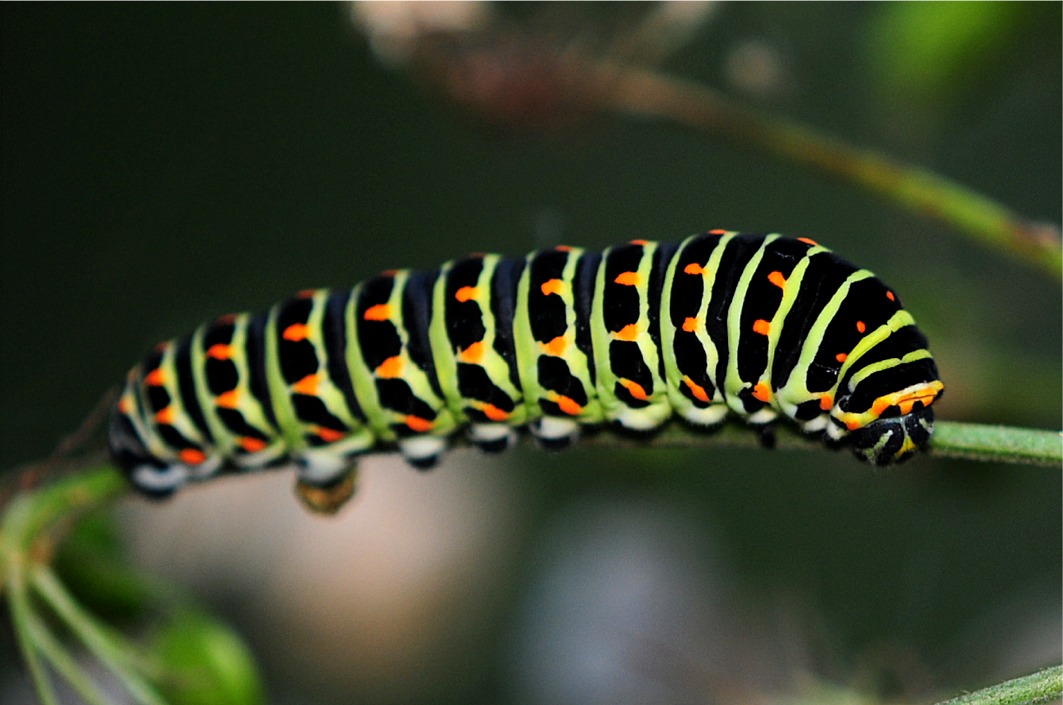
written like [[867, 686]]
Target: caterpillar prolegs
[[759, 326]]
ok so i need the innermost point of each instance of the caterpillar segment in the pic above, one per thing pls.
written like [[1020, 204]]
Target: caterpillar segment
[[721, 324]]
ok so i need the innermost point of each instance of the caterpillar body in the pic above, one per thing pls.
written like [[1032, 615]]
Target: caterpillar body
[[758, 326]]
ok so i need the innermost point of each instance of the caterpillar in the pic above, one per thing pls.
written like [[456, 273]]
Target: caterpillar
[[724, 323]]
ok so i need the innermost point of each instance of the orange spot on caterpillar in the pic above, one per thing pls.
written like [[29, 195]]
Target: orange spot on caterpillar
[[296, 332], [826, 401], [808, 241], [125, 405], [627, 279], [718, 231], [330, 435], [228, 400], [389, 273], [777, 279], [860, 327], [555, 347], [307, 385], [493, 413], [417, 424], [562, 248], [192, 456], [474, 353], [568, 405], [628, 332], [697, 390], [166, 416], [155, 378], [841, 357], [251, 445], [690, 325], [466, 293], [220, 351], [377, 312], [390, 368], [553, 286], [226, 319], [852, 424], [305, 294], [642, 243], [693, 268], [890, 296], [635, 389], [161, 347], [762, 391], [761, 326]]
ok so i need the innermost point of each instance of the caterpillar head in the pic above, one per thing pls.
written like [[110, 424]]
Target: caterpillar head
[[893, 428]]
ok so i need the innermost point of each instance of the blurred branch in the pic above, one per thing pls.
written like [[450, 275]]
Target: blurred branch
[[650, 93], [1041, 687]]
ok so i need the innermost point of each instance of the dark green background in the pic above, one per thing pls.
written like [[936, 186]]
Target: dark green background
[[164, 164]]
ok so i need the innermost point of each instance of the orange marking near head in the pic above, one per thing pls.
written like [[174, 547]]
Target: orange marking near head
[[466, 293], [220, 351], [125, 404], [389, 273], [417, 424], [474, 353], [890, 296], [635, 389], [251, 445], [640, 242], [860, 327], [330, 435], [762, 392], [761, 326], [693, 268], [628, 279], [690, 324], [553, 286], [390, 368], [628, 332], [841, 357], [377, 312], [307, 385], [296, 332], [229, 399], [568, 405], [305, 294], [718, 231], [493, 413], [555, 347], [777, 279], [807, 241], [192, 456], [166, 416], [562, 248], [697, 390], [826, 401], [155, 378]]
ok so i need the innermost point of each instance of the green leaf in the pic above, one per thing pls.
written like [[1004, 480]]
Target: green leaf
[[205, 663]]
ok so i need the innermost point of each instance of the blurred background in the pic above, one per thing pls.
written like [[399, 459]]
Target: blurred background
[[163, 164]]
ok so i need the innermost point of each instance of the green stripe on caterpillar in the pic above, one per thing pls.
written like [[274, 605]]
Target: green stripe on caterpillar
[[756, 326]]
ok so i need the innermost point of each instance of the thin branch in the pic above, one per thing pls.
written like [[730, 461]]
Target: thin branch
[[1041, 687], [646, 92]]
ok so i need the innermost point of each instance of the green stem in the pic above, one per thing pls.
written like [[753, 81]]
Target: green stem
[[21, 617], [952, 439], [67, 667], [119, 657], [646, 92], [1041, 687]]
